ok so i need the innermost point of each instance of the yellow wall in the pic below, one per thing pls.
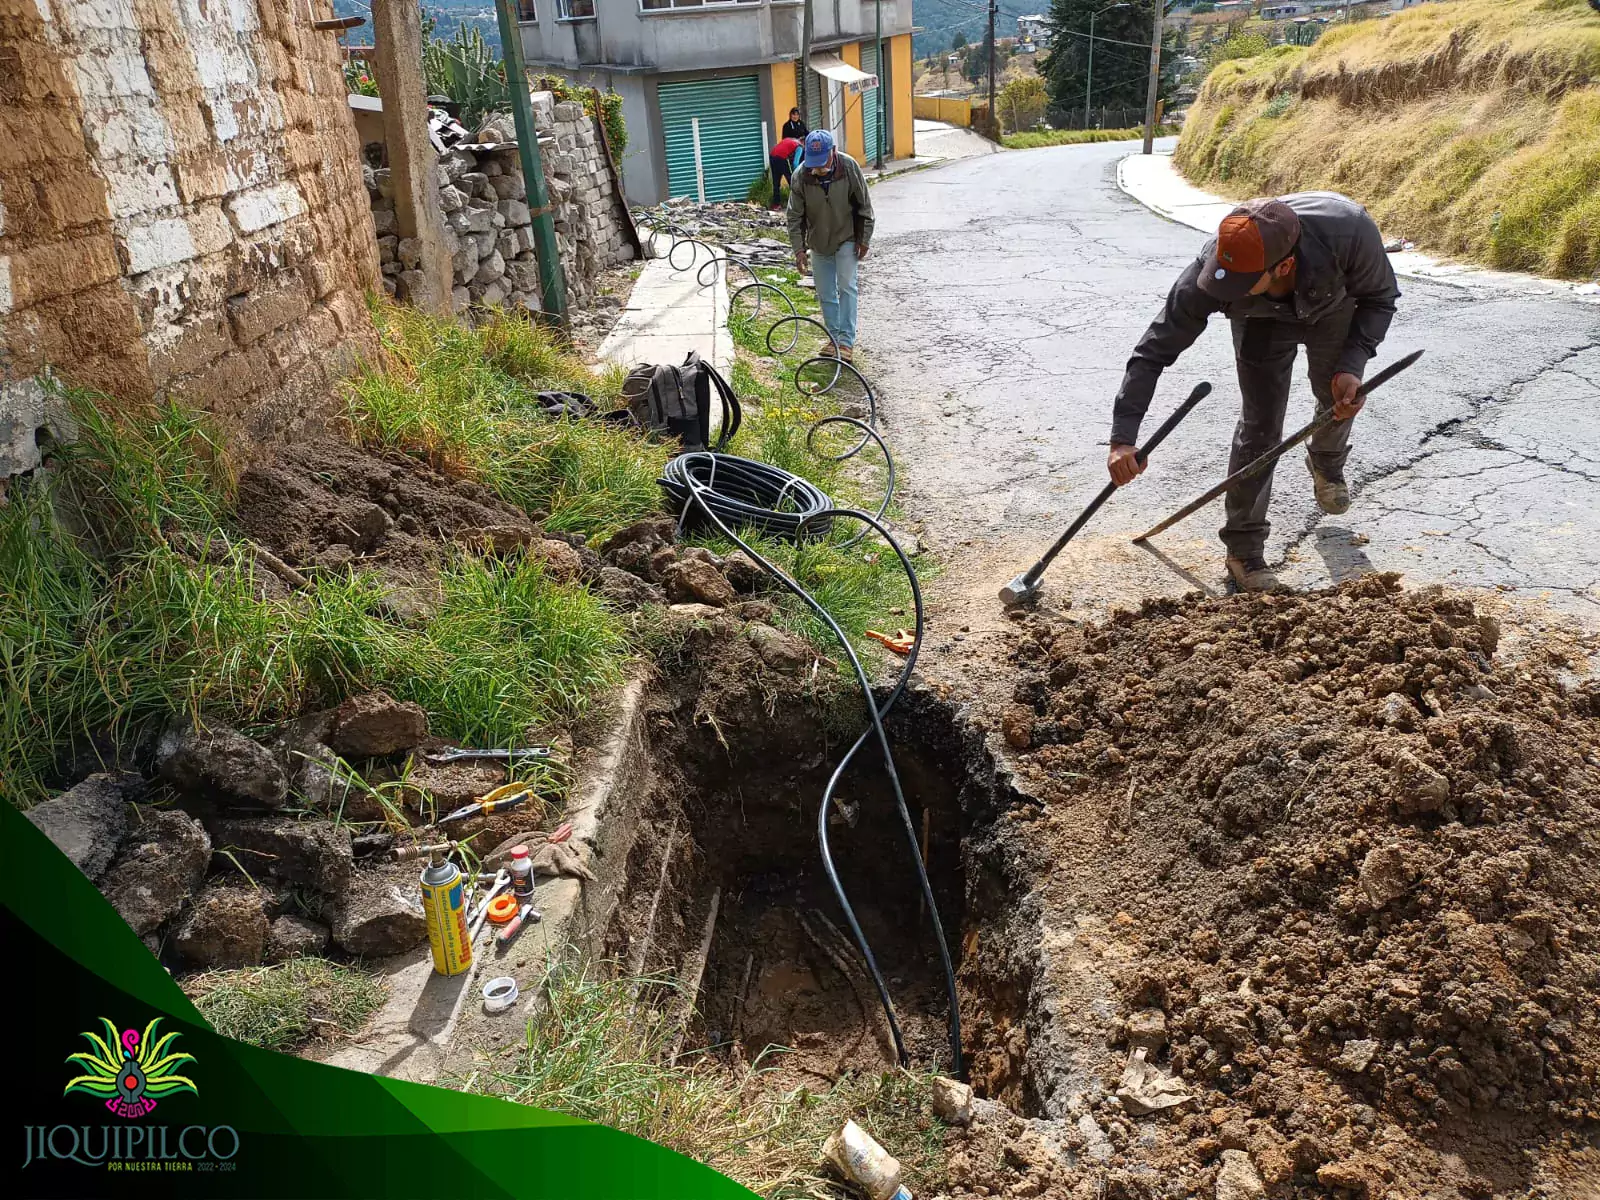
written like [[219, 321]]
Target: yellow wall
[[901, 143], [783, 99], [950, 110], [855, 129]]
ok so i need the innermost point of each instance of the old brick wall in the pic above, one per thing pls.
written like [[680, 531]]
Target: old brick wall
[[181, 207]]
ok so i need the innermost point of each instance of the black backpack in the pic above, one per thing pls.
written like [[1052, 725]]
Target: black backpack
[[676, 402]]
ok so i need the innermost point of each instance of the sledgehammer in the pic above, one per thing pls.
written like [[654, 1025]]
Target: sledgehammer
[[1025, 586]]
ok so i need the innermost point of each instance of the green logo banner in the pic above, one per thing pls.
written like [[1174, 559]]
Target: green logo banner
[[121, 1088]]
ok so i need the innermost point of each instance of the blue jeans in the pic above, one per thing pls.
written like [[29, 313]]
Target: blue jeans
[[835, 276]]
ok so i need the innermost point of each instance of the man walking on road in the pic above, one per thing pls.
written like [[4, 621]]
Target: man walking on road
[[830, 226], [1307, 269]]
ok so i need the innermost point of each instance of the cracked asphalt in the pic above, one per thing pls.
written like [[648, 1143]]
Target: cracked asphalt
[[1001, 302]]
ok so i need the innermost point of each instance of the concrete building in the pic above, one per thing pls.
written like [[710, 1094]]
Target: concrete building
[[707, 84], [1034, 29]]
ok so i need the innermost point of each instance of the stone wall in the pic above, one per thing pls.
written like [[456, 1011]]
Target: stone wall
[[180, 208], [488, 227]]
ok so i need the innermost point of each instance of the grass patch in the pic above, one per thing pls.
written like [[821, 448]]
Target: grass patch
[[1470, 126], [1033, 139], [594, 1051], [284, 1006], [464, 400], [150, 605], [860, 585]]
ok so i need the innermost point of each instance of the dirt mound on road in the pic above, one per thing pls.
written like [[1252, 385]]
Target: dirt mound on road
[[1359, 865]]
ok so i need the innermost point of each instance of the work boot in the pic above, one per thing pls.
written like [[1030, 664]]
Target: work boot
[[1252, 574], [1333, 495]]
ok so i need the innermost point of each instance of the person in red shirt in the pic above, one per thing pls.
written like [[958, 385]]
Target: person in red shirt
[[781, 160]]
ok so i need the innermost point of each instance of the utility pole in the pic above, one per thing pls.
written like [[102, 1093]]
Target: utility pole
[[1088, 81], [552, 282], [881, 74], [805, 69], [1155, 77], [994, 117]]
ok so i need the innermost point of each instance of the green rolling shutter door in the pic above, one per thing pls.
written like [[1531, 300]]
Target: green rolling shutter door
[[814, 119], [731, 151], [871, 101]]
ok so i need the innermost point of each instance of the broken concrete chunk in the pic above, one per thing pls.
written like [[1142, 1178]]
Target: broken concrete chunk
[[1239, 1179], [780, 651], [294, 936], [376, 724], [691, 581], [315, 853], [1399, 713], [380, 913], [222, 765], [952, 1101], [626, 590], [226, 928], [1357, 1054], [87, 822], [161, 864]]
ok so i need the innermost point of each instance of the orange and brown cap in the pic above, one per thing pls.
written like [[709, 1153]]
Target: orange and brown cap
[[1253, 238]]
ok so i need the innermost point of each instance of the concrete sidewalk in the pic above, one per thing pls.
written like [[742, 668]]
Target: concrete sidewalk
[[1154, 181], [670, 314], [937, 142]]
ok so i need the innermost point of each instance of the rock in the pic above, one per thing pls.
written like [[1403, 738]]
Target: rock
[[952, 1101], [1385, 874], [645, 560], [223, 765], [88, 822], [1238, 1179], [743, 573], [380, 912], [1016, 722], [315, 853], [628, 591], [1352, 1176], [376, 724], [910, 543], [227, 927], [561, 562], [448, 786], [690, 613], [1420, 789], [780, 651], [1147, 1027], [692, 581], [1488, 633], [1144, 1088], [514, 211], [1357, 1054], [498, 539], [1399, 713], [161, 864], [294, 936], [657, 531]]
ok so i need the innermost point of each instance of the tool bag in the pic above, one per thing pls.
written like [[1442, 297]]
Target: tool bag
[[675, 402]]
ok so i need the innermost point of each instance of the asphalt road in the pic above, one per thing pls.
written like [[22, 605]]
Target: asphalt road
[[999, 307]]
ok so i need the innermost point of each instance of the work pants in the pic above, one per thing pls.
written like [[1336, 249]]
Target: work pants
[[1264, 352], [782, 169], [835, 277]]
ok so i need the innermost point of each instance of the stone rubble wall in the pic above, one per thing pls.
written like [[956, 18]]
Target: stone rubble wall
[[488, 227], [180, 211]]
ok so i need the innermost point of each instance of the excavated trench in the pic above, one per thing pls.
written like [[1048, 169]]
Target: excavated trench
[[727, 894]]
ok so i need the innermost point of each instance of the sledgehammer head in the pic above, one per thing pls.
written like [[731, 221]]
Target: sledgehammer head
[[1019, 591]]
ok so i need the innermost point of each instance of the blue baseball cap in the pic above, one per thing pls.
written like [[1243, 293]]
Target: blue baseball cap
[[819, 148]]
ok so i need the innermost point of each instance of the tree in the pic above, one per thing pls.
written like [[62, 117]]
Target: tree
[[1121, 54], [978, 59], [1022, 103], [958, 42]]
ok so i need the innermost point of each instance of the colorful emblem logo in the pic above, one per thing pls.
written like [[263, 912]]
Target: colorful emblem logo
[[129, 1070]]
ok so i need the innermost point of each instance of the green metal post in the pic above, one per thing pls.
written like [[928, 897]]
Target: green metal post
[[552, 283]]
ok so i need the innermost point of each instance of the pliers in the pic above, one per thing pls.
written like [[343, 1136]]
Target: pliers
[[900, 642], [501, 799], [452, 754]]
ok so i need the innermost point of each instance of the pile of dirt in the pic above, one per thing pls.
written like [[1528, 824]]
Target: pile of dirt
[[1354, 865]]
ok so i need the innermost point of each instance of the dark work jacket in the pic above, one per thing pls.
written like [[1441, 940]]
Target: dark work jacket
[[796, 130], [1340, 259]]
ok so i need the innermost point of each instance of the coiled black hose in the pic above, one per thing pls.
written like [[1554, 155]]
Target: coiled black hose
[[742, 491], [696, 496]]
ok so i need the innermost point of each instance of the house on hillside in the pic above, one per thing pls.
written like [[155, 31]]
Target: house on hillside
[[706, 85], [1034, 29]]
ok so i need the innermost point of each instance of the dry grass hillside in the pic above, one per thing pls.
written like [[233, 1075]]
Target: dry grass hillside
[[1469, 126]]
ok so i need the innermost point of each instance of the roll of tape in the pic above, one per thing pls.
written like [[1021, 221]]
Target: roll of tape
[[499, 994]]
